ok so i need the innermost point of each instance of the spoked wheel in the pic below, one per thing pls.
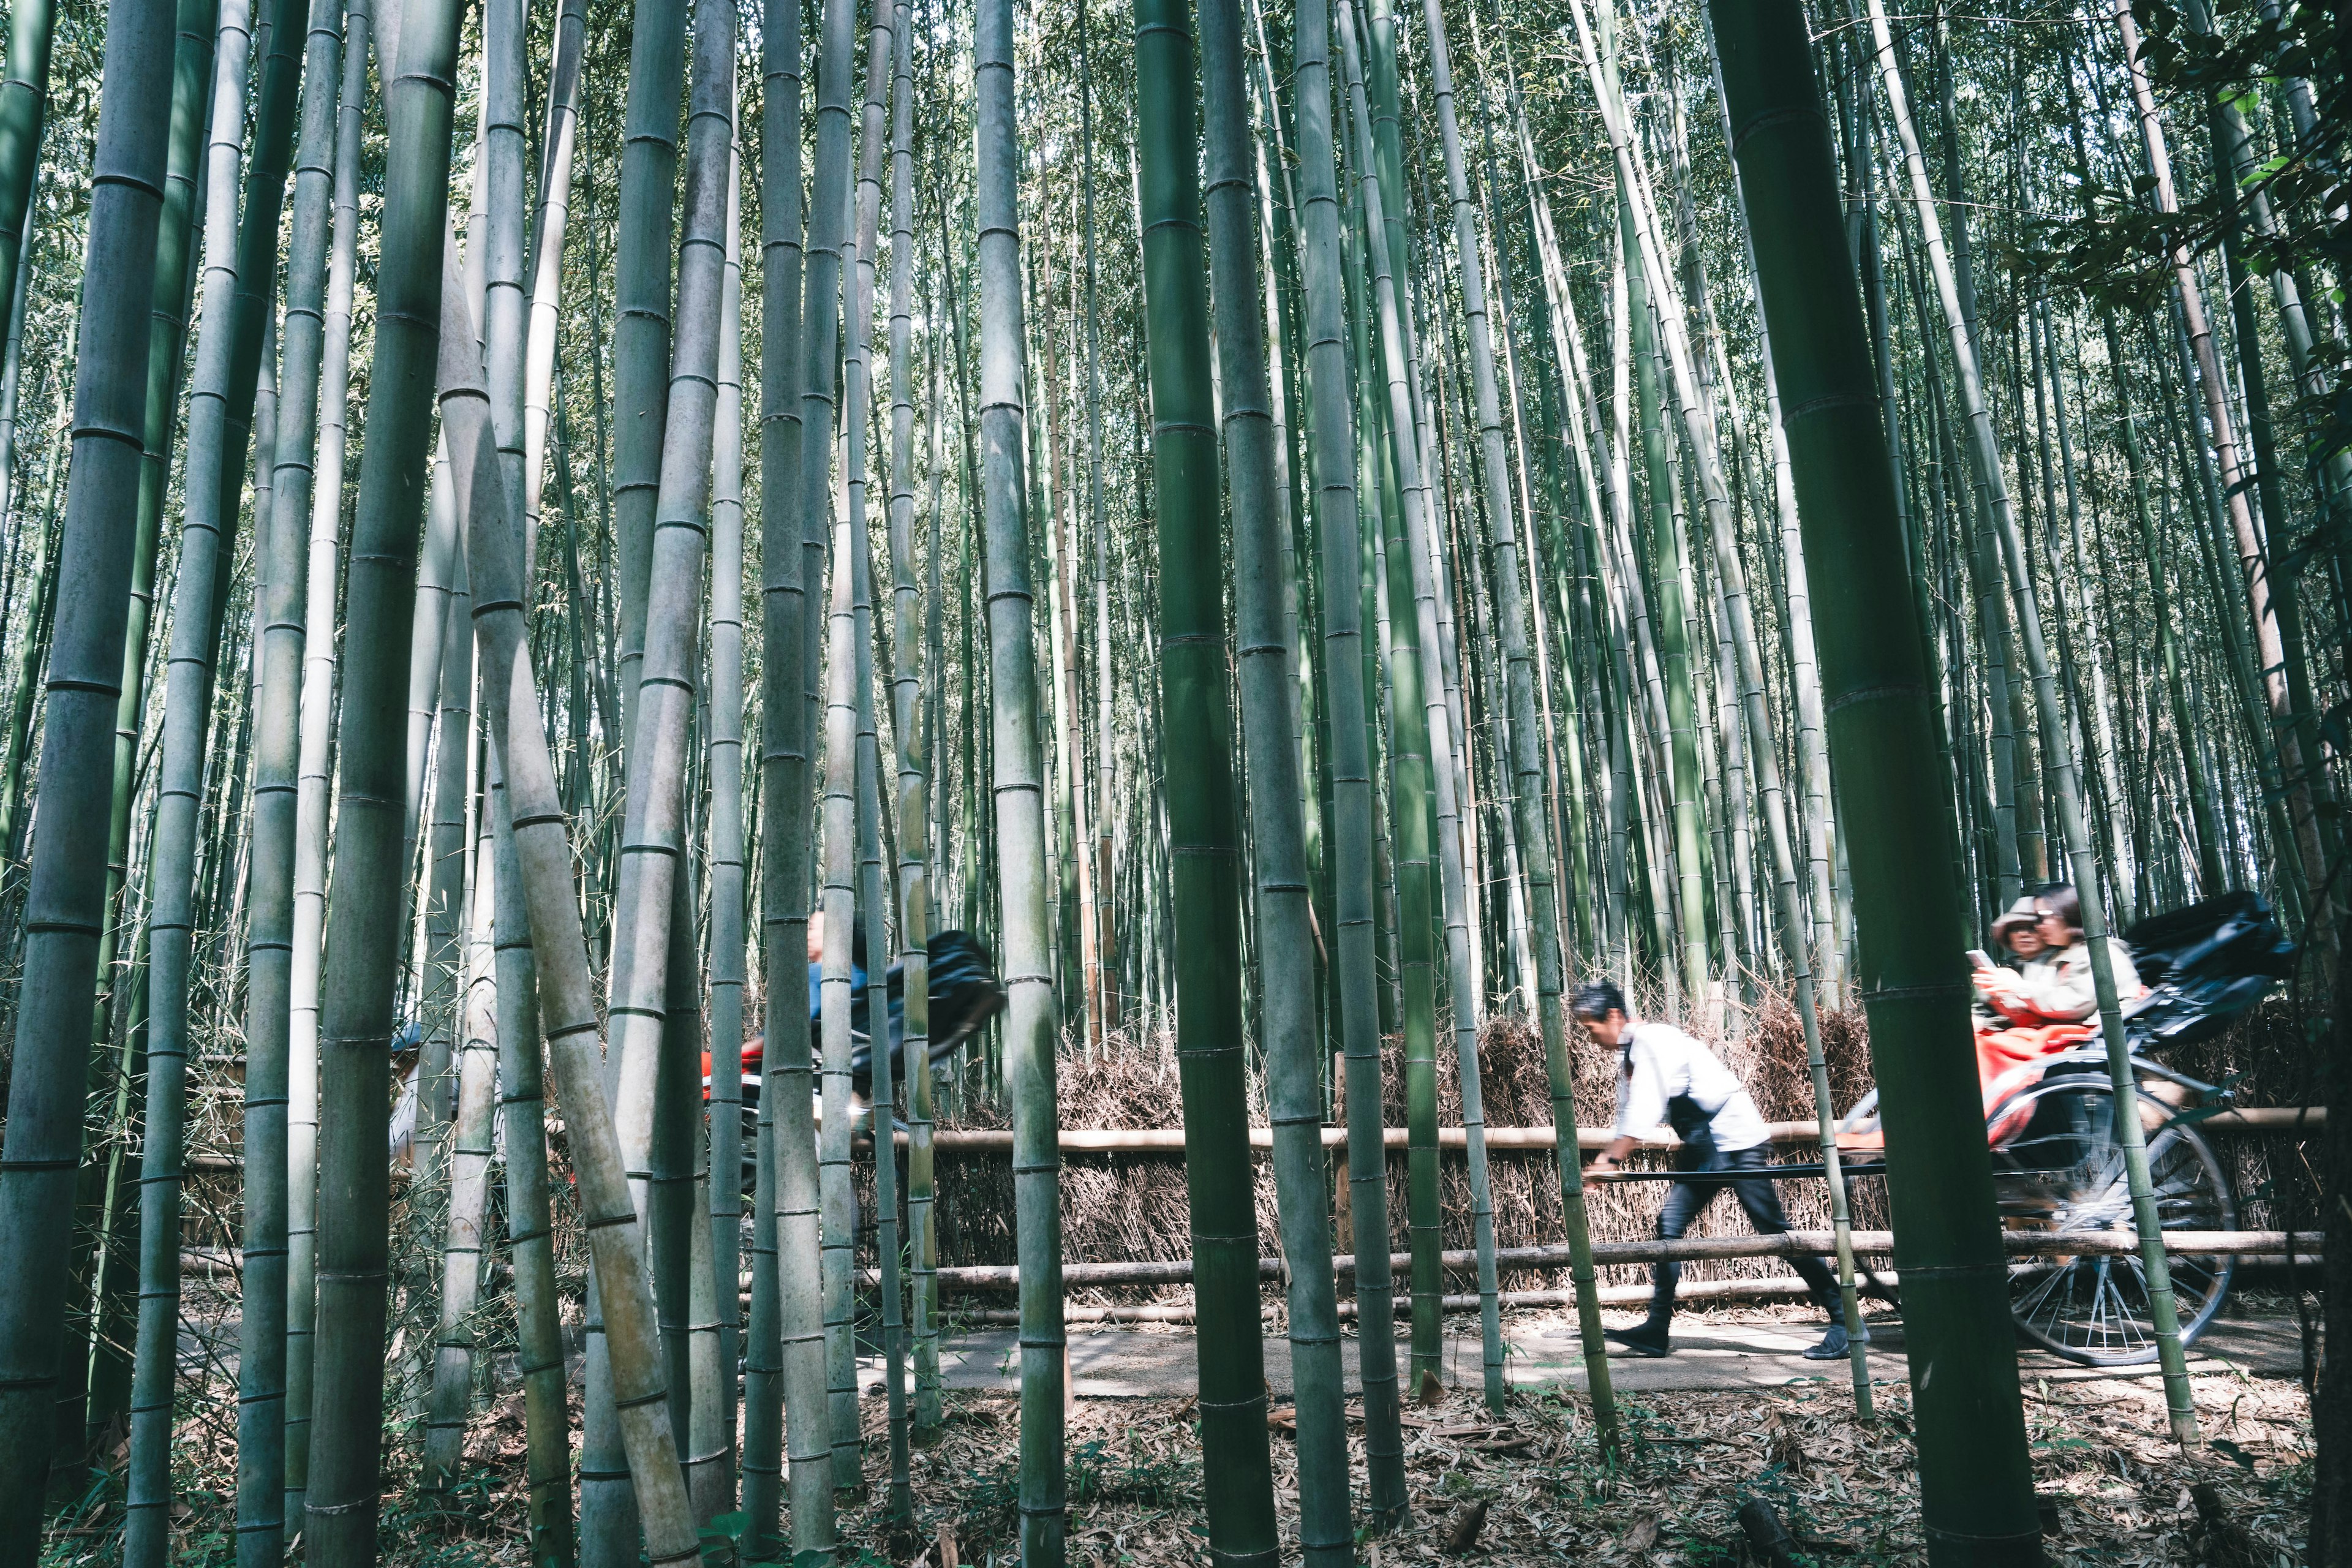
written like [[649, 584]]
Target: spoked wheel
[[2061, 1168]]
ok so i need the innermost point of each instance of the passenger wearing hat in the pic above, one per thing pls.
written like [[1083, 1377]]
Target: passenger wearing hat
[[2038, 1010], [2054, 985], [2017, 932]]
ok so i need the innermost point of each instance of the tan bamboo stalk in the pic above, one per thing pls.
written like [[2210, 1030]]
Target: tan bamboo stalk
[[512, 715], [645, 1097], [654, 1111], [2292, 734], [550, 216], [522, 1099], [449, 845]]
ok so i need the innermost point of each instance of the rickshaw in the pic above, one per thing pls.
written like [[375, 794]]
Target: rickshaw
[[964, 992], [2058, 1157]]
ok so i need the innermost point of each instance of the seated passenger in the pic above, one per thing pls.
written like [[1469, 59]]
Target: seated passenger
[[2046, 1006], [2055, 986]]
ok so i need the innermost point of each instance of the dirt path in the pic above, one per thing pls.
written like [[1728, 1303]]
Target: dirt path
[[1712, 1352]]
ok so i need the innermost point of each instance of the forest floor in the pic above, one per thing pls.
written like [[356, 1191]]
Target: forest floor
[[2115, 1488]]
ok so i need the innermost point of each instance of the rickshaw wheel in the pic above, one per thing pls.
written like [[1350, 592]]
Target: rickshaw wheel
[[2063, 1170]]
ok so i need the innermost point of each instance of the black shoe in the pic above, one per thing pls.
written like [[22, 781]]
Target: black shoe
[[1834, 1345], [1647, 1341]]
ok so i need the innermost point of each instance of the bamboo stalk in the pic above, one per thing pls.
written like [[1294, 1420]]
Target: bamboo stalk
[[1262, 541], [1977, 1483], [799, 304], [355, 1022], [1356, 992], [313, 788], [1017, 792], [2056, 746]]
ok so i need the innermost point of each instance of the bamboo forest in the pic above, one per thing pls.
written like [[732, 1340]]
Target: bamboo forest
[[1417, 684]]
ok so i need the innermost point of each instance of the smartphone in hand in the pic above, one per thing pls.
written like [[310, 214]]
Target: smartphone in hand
[[1982, 958]]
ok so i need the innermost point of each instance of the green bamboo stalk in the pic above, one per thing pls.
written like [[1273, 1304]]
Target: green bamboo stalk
[[312, 801], [469, 1179], [152, 1396], [1699, 437], [716, 1417], [1289, 1029], [12, 424], [23, 113], [2095, 728], [1204, 827], [1017, 792], [853, 672], [283, 538], [829, 238], [906, 726], [909, 724], [1528, 806], [64, 922], [1668, 624], [793, 314], [32, 649], [2270, 597], [2057, 748], [914, 904], [1976, 1482], [1412, 770], [355, 1022], [96, 1269], [641, 335], [1105, 807]]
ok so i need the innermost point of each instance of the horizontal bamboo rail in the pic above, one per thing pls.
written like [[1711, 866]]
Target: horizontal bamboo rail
[[1688, 1249], [1779, 1287], [1171, 1140], [2265, 1248], [1499, 1140]]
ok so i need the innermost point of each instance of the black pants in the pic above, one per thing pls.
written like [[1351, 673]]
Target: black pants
[[1686, 1200]]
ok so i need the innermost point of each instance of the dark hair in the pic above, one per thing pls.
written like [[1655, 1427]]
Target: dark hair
[[1597, 999], [2059, 900]]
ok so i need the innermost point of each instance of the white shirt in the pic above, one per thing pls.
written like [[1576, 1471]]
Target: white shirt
[[1659, 1062]]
